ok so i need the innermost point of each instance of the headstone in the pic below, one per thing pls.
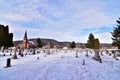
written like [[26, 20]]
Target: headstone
[[114, 55], [37, 58], [117, 59], [76, 54], [109, 54], [2, 49], [8, 64], [83, 62], [107, 51], [101, 53], [96, 56], [26, 53], [10, 50], [113, 51], [43, 51], [38, 51], [65, 51], [87, 54], [14, 55], [21, 54], [4, 54], [33, 51], [10, 54], [100, 60], [48, 52]]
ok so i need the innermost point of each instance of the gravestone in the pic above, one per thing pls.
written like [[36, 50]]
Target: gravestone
[[117, 59], [96, 56], [4, 54], [37, 58], [107, 52], [83, 62], [10, 54], [26, 53], [114, 55], [48, 52], [76, 54], [14, 55], [38, 51], [100, 60], [8, 64], [87, 53], [2, 49], [33, 51], [101, 53], [19, 52], [43, 51]]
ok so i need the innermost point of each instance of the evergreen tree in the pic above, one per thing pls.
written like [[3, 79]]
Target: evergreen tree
[[96, 44], [73, 45], [38, 43], [5, 37], [92, 43], [116, 35], [10, 39]]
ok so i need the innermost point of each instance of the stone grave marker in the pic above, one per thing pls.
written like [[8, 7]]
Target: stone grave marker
[[8, 63]]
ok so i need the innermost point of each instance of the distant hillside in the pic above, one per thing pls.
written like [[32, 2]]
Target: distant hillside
[[44, 41], [59, 44]]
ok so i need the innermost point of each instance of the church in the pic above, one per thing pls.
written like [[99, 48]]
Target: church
[[25, 43]]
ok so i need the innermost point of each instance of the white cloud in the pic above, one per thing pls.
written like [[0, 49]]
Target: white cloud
[[16, 17], [60, 36], [104, 37], [59, 20]]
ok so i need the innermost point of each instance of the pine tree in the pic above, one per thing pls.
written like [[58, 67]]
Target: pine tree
[[92, 43], [10, 39], [73, 45], [116, 35], [96, 44], [5, 37]]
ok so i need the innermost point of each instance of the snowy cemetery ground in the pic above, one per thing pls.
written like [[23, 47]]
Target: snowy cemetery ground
[[58, 64]]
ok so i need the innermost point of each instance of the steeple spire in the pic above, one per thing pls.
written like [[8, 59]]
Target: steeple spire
[[25, 36]]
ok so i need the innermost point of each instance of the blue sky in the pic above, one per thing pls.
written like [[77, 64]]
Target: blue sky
[[63, 20]]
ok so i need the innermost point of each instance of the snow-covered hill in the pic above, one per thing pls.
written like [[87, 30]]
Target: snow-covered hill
[[60, 65]]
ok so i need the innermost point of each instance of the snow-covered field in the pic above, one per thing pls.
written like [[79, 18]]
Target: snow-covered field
[[54, 67]]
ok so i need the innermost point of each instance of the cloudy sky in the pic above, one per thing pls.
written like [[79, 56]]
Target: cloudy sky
[[63, 20]]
